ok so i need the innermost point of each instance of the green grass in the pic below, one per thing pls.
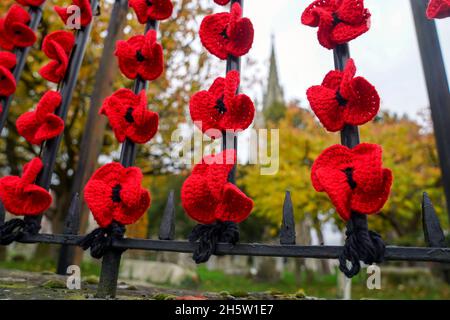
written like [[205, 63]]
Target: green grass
[[87, 268]]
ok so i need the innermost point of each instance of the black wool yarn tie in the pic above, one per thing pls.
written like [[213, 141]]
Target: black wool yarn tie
[[208, 236], [14, 229], [361, 244], [101, 239]]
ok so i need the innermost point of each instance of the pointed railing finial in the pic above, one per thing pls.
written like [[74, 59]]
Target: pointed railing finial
[[432, 230], [167, 228], [287, 233]]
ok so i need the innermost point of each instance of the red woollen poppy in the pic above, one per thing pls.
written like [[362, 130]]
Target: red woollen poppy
[[141, 56], [7, 80], [151, 9], [30, 3], [353, 178], [14, 29], [41, 124], [339, 21], [129, 117], [221, 108], [438, 9], [225, 33], [207, 196], [343, 99], [85, 12], [114, 193], [222, 2], [57, 46], [21, 196]]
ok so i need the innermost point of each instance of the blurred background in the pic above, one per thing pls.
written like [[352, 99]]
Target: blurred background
[[285, 60]]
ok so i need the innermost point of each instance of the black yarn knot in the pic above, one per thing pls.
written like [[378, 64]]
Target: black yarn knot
[[340, 99], [220, 106], [139, 56], [148, 3], [361, 244], [224, 34], [14, 229], [336, 19], [210, 235], [129, 115], [101, 239]]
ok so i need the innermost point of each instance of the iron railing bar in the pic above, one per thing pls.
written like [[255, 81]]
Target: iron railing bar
[[21, 56], [393, 253]]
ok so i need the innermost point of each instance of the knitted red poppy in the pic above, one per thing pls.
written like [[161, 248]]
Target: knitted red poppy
[[151, 9], [225, 33], [14, 29], [21, 196], [30, 3], [141, 56], [129, 117], [115, 193], [41, 124], [343, 99], [353, 178], [339, 21], [438, 9], [85, 12], [221, 108], [7, 80], [57, 46], [207, 196], [222, 2]]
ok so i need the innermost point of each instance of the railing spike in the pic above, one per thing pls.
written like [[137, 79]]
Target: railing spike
[[432, 230], [287, 234], [167, 228]]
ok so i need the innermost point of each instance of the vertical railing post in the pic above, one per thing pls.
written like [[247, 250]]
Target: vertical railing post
[[109, 275], [437, 86], [21, 56]]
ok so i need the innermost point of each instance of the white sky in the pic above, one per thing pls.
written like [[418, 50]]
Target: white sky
[[387, 55]]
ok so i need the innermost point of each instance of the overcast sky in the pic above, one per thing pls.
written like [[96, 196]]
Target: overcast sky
[[387, 55]]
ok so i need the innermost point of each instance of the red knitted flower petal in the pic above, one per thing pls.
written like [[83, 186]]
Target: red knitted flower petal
[[438, 9], [141, 56], [14, 29], [367, 163], [151, 9], [222, 2], [85, 14], [325, 106], [7, 81], [235, 205], [129, 117], [41, 124], [339, 21], [224, 34], [207, 196], [115, 193], [240, 114], [57, 46], [20, 196], [30, 3], [366, 105]]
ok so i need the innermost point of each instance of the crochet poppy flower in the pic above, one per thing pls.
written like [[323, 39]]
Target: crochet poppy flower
[[339, 21], [221, 108], [225, 33], [14, 29], [57, 46], [85, 12], [151, 9], [353, 178], [7, 80], [21, 196], [41, 124], [207, 196], [129, 117], [30, 3], [114, 193], [141, 56], [222, 2], [343, 99], [438, 9]]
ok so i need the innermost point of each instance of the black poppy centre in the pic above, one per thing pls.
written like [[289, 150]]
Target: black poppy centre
[[349, 173], [220, 106], [116, 193], [340, 99], [129, 115]]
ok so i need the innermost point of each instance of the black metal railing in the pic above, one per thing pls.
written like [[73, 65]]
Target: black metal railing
[[433, 233]]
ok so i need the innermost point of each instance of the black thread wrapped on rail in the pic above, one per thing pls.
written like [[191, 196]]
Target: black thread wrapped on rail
[[15, 229], [361, 244], [100, 240], [209, 235]]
